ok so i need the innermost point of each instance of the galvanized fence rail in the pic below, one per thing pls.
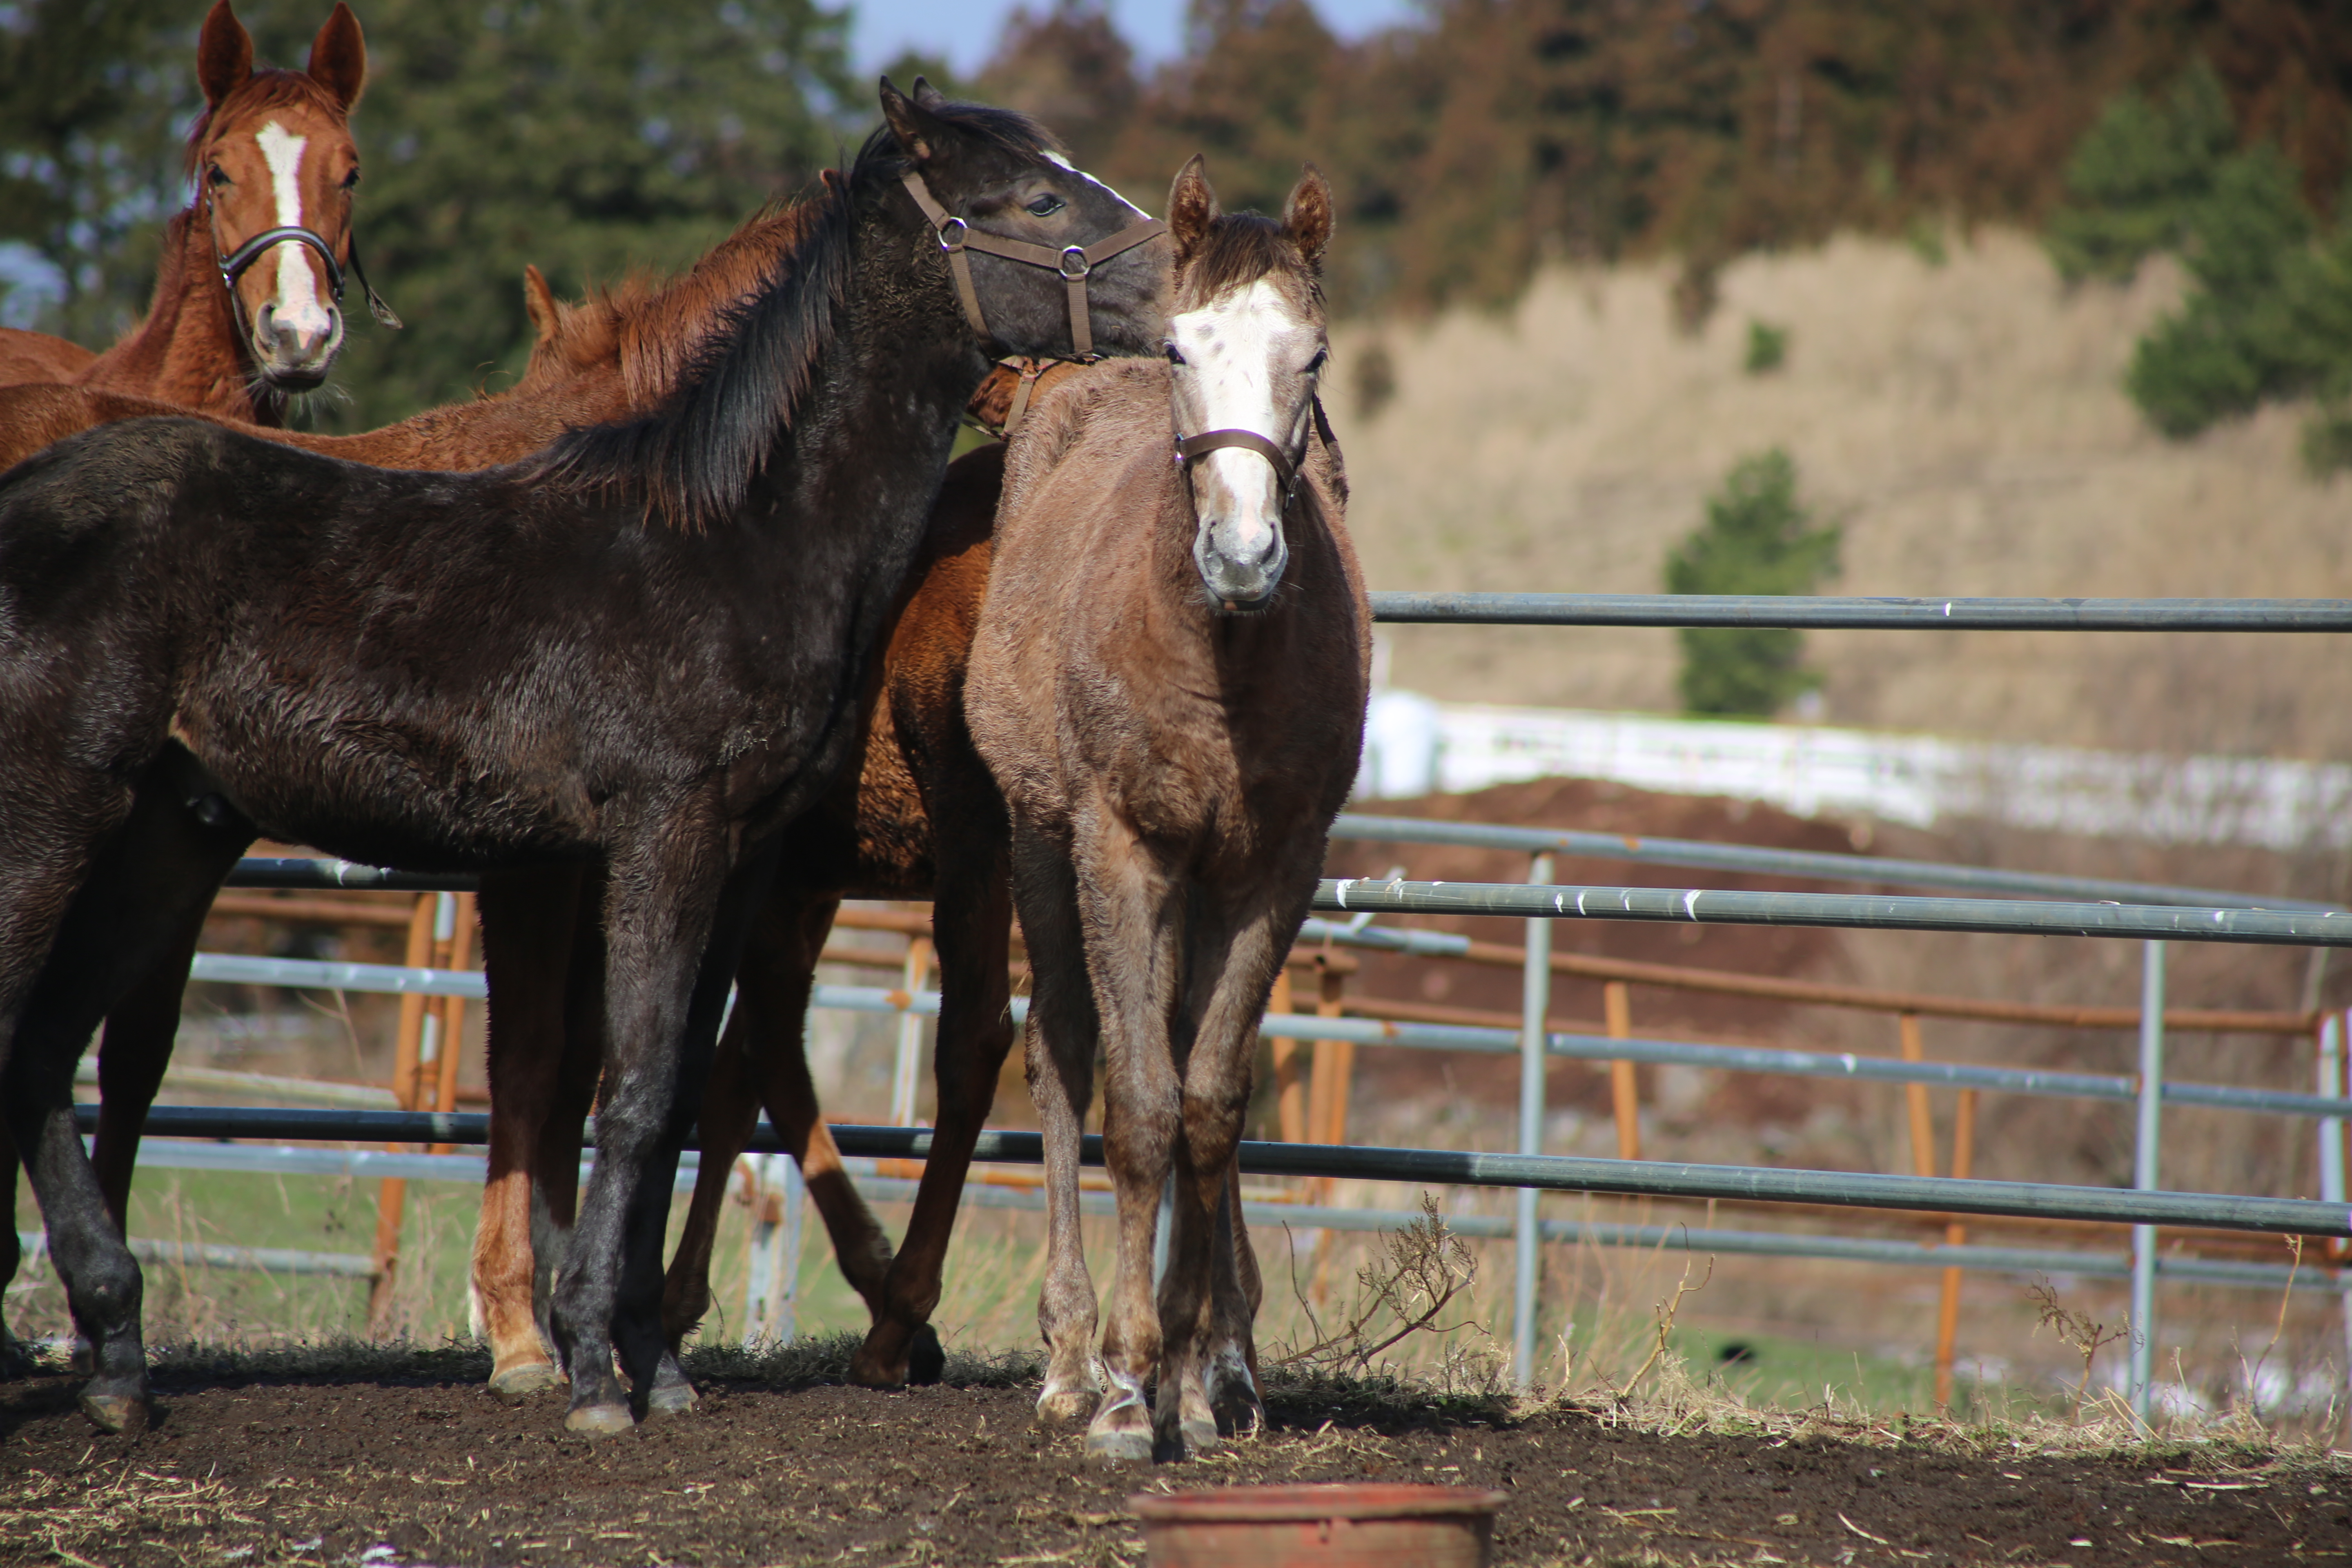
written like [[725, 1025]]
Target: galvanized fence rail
[[1440, 1167], [1825, 613]]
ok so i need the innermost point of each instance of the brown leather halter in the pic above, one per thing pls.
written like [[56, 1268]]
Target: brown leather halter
[[1074, 262], [1003, 399], [1285, 472]]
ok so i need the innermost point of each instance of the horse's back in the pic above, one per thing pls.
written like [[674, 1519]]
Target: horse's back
[[39, 357]]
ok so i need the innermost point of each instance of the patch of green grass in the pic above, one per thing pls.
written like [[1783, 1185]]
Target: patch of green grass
[[1765, 1369]]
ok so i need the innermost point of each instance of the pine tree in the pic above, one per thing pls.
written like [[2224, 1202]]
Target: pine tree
[[2134, 177], [593, 137], [1758, 539]]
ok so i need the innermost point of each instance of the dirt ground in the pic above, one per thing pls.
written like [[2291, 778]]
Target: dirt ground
[[412, 1463]]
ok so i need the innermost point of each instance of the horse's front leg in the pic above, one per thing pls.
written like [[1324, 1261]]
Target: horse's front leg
[[673, 925], [1212, 1296], [529, 921], [972, 918], [1060, 1059], [1133, 919]]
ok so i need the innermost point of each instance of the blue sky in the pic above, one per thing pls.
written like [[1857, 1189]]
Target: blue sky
[[965, 31]]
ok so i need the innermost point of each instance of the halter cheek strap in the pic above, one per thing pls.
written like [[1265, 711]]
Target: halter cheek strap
[[1074, 262]]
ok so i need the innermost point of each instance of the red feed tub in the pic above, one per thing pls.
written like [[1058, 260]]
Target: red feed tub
[[1350, 1526]]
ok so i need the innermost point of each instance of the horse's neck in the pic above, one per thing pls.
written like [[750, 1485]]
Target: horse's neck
[[187, 351], [853, 479]]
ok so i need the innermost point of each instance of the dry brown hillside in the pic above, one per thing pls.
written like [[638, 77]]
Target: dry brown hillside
[[1964, 421]]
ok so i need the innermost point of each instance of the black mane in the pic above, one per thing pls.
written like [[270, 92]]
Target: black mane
[[691, 458]]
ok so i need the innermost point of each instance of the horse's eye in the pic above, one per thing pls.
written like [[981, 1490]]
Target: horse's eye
[[1175, 355], [1046, 205], [351, 179], [1316, 364], [216, 175]]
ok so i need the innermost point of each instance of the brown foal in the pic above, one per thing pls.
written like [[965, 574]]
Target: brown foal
[[1169, 686]]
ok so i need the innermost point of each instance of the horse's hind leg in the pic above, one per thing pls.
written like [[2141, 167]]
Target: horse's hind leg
[[972, 918], [529, 923], [762, 1060], [133, 1055], [156, 871], [1060, 1046], [15, 1360]]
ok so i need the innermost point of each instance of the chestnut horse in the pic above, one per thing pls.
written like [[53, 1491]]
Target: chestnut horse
[[1168, 684], [248, 304], [641, 650], [619, 352]]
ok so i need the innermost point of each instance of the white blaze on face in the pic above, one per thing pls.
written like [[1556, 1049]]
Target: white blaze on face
[[303, 302], [1061, 163], [1236, 350]]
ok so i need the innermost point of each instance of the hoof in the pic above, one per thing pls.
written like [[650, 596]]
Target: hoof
[[123, 1413], [926, 1359], [1066, 1407], [1195, 1437], [868, 1370], [1122, 1447], [516, 1384], [671, 1394], [599, 1420]]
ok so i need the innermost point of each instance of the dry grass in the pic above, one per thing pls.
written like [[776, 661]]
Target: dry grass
[[1965, 426]]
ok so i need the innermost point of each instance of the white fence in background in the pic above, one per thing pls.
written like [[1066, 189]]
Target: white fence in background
[[1414, 746]]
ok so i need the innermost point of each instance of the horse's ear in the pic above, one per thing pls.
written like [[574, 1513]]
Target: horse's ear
[[1191, 208], [338, 57], [927, 95], [915, 127], [539, 304], [223, 54], [1306, 217]]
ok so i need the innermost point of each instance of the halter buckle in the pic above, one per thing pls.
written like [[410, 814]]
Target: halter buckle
[[961, 229], [1074, 264]]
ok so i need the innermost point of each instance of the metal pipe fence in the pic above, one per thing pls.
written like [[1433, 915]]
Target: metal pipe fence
[[1826, 613], [468, 1170], [1818, 865], [1426, 1167], [2148, 912], [1863, 912]]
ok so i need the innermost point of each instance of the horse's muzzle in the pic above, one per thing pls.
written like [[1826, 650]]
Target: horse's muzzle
[[294, 357], [1243, 581]]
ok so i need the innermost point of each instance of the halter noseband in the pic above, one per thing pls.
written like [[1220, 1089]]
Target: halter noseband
[[1286, 471], [238, 262], [1074, 262]]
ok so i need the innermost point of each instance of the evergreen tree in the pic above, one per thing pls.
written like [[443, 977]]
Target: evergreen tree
[[2137, 176], [592, 137], [2237, 339], [1758, 539], [96, 98]]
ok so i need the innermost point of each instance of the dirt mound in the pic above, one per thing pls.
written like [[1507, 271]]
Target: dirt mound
[[425, 1467]]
